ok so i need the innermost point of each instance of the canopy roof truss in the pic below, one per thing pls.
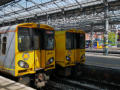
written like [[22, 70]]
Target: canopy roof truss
[[61, 14]]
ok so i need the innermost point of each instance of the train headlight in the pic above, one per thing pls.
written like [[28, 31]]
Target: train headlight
[[68, 58], [83, 56], [23, 64], [50, 60]]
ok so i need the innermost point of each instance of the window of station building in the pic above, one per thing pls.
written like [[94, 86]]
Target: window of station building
[[4, 39]]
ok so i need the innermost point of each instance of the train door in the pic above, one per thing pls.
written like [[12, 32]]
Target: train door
[[36, 42], [47, 49], [77, 48]]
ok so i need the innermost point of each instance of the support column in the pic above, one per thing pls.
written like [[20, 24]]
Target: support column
[[16, 21], [47, 18], [116, 37], [25, 20], [91, 37], [105, 49], [64, 17]]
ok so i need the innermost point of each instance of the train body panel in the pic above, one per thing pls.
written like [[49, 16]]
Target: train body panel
[[7, 44], [77, 56], [60, 51], [50, 54], [71, 54], [38, 60], [82, 56], [46, 55]]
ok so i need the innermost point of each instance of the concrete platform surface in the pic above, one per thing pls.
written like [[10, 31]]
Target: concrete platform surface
[[103, 61], [7, 84], [111, 50]]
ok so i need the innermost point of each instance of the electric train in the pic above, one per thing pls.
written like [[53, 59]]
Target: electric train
[[31, 52], [70, 50], [27, 52]]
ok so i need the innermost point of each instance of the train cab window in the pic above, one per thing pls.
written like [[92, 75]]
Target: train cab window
[[36, 38], [24, 39], [82, 41], [28, 39], [47, 39], [77, 41], [69, 40], [4, 45]]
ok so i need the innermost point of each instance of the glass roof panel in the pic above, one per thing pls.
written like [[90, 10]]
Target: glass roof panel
[[36, 6]]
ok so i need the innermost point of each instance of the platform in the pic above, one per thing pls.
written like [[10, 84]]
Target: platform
[[110, 61], [7, 84], [111, 50]]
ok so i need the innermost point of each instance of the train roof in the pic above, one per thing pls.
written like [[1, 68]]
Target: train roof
[[45, 26], [81, 31], [6, 28], [13, 27]]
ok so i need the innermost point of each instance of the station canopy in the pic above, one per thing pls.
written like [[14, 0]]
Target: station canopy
[[16, 10], [28, 8], [3, 2]]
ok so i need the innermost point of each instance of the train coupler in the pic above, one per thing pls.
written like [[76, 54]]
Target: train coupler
[[41, 80]]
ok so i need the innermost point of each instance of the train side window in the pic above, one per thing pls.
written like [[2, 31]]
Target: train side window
[[4, 45]]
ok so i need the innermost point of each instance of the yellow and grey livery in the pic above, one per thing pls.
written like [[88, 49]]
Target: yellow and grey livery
[[27, 48]]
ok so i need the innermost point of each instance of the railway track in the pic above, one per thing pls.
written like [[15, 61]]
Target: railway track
[[101, 84], [81, 84], [67, 84], [49, 87], [78, 83]]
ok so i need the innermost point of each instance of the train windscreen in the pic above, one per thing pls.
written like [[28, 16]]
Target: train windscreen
[[49, 40], [28, 39], [82, 41], [76, 40], [25, 39], [35, 39], [69, 40]]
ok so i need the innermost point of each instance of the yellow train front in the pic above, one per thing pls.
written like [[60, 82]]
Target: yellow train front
[[28, 52], [65, 53], [70, 51]]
